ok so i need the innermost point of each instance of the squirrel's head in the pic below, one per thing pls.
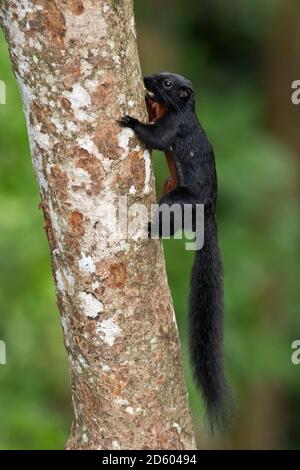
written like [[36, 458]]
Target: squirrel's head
[[170, 89]]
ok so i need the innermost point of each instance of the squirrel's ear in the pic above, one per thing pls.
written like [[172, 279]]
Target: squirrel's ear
[[185, 92]]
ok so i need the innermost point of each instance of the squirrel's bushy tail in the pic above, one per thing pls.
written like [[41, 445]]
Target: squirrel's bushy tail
[[206, 329]]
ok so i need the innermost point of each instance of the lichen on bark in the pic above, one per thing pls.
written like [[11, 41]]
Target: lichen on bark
[[77, 66]]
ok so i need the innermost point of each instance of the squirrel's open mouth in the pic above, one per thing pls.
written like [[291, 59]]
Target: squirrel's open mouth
[[151, 98], [155, 107]]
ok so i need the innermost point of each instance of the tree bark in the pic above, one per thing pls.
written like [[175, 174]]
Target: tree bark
[[77, 67]]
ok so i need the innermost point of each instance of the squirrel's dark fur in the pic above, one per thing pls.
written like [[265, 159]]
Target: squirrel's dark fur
[[178, 133]]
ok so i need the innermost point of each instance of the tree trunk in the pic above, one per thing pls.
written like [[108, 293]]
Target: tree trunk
[[77, 67]]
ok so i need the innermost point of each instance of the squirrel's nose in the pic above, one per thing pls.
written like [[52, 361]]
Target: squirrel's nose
[[149, 80]]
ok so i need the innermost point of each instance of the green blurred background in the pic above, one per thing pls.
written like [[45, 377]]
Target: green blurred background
[[242, 58]]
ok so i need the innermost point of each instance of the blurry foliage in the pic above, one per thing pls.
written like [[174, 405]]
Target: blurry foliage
[[34, 384], [217, 44]]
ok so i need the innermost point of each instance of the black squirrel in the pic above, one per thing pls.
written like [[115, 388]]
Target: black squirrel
[[175, 129]]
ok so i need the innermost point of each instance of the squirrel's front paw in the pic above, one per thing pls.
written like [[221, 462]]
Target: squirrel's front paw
[[127, 121]]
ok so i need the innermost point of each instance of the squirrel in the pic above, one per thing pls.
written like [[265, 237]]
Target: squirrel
[[175, 129]]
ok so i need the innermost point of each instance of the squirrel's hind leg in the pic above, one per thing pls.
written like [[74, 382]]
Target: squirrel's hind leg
[[169, 217]]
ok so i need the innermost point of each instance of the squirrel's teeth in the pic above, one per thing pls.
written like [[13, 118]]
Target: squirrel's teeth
[[151, 94]]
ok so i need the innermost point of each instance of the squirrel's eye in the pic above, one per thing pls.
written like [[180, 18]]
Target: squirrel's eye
[[167, 84]]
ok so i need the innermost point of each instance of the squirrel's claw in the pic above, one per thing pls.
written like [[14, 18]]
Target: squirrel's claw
[[127, 121]]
